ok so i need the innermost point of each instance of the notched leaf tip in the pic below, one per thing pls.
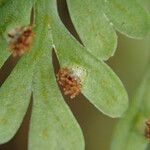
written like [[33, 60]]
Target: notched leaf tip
[[20, 40], [70, 82]]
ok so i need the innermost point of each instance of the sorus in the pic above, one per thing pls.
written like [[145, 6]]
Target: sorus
[[20, 40], [69, 81]]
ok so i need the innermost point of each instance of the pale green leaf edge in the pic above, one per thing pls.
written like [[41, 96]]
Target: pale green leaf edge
[[129, 133]]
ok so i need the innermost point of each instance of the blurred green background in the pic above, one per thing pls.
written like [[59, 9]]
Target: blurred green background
[[129, 62]]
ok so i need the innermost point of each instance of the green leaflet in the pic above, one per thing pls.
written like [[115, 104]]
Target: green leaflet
[[14, 99], [16, 91], [100, 85], [94, 29], [13, 13], [128, 17], [129, 134], [52, 126]]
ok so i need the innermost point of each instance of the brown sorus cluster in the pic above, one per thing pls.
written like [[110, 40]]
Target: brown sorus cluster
[[147, 129], [20, 40], [70, 83]]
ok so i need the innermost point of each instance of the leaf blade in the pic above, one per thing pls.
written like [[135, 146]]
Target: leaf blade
[[129, 133], [94, 29], [52, 124], [71, 54], [14, 97], [21, 78], [46, 92], [128, 17]]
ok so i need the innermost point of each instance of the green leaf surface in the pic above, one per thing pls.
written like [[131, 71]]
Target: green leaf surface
[[16, 91], [52, 126], [13, 13], [100, 85], [129, 134], [128, 17], [94, 29], [14, 99]]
